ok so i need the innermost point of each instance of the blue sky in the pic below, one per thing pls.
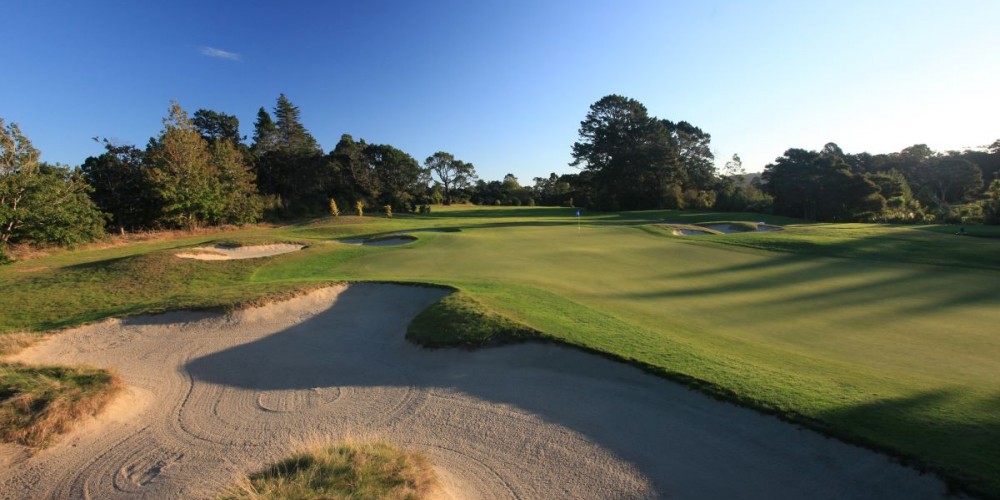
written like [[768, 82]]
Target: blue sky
[[505, 84]]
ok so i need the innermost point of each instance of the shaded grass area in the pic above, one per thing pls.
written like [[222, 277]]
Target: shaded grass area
[[38, 403], [461, 320], [344, 471], [914, 244]]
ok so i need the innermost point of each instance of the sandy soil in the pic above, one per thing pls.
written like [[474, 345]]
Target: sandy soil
[[210, 397], [222, 252]]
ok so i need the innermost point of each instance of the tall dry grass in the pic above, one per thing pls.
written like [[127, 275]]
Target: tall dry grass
[[348, 470], [38, 403]]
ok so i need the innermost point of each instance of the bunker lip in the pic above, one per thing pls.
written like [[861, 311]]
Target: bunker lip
[[380, 242], [232, 392], [716, 229], [229, 252]]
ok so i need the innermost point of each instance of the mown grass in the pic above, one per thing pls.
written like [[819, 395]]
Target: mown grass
[[882, 335], [460, 320], [38, 403], [345, 471]]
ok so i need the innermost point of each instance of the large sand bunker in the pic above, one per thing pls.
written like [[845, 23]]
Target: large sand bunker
[[210, 397], [225, 252]]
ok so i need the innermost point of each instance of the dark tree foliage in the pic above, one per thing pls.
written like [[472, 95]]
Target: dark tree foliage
[[505, 192], [397, 177], [453, 174], [820, 186], [214, 126], [695, 154], [120, 187], [950, 179], [554, 190], [891, 184], [290, 165], [355, 180], [637, 161]]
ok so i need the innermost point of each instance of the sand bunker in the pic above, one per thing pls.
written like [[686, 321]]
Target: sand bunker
[[691, 232], [720, 229], [214, 396], [728, 229], [223, 252], [381, 242]]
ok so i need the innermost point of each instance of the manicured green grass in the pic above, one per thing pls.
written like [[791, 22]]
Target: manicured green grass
[[345, 471], [883, 335], [38, 403], [461, 320]]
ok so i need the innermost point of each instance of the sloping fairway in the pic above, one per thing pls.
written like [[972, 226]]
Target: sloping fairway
[[887, 336]]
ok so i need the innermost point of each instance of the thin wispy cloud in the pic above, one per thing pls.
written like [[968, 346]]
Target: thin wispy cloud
[[220, 54]]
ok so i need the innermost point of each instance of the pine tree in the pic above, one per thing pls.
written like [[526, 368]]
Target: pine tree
[[265, 133], [292, 135]]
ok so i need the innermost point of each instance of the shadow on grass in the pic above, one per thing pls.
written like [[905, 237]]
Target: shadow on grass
[[967, 452], [657, 426]]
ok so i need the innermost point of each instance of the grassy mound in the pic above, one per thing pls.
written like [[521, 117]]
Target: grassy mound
[[349, 470], [742, 226], [460, 320], [37, 403]]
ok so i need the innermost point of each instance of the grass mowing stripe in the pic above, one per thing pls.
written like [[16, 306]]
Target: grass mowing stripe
[[881, 334]]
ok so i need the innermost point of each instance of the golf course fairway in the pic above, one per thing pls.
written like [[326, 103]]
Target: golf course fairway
[[885, 336]]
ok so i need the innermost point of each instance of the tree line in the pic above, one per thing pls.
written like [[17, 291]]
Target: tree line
[[631, 160], [199, 171]]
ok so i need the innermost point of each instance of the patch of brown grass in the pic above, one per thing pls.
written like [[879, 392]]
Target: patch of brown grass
[[372, 469], [38, 403]]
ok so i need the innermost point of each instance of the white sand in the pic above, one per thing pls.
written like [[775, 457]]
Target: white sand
[[222, 252], [212, 396]]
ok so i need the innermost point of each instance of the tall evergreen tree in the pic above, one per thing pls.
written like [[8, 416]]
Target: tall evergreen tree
[[265, 133], [292, 135]]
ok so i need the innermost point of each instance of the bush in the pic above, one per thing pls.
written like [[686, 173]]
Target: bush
[[334, 209], [388, 211]]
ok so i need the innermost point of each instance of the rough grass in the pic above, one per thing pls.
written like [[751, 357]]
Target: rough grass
[[38, 403], [345, 471], [461, 320]]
